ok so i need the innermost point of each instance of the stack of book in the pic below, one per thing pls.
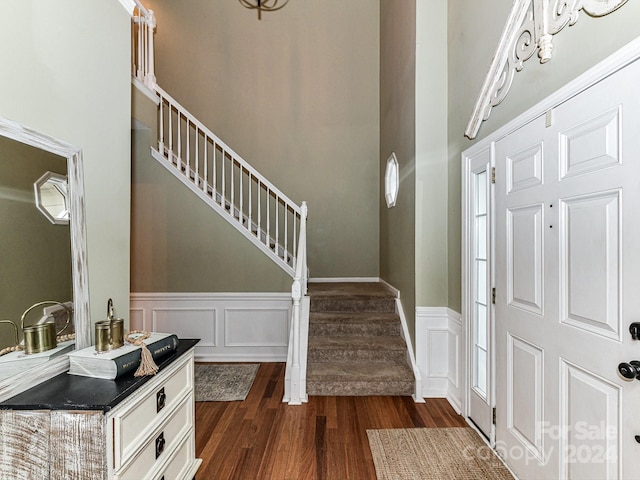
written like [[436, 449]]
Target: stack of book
[[17, 362], [121, 361]]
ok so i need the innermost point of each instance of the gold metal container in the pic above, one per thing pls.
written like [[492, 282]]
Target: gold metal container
[[41, 336], [110, 332]]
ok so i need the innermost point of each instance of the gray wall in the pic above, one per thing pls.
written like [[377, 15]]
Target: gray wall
[[66, 73], [198, 252], [296, 94], [397, 134], [474, 31]]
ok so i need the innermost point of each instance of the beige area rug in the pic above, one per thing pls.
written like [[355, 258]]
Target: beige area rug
[[221, 382], [434, 453]]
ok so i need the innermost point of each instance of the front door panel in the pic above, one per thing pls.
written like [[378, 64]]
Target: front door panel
[[568, 286]]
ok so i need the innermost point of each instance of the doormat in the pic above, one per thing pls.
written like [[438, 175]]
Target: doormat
[[222, 382], [434, 453]]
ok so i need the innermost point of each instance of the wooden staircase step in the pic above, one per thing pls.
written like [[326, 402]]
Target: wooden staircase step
[[352, 303], [376, 349], [359, 379], [353, 323]]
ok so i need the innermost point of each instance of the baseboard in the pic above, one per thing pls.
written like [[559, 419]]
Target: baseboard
[[232, 327], [439, 353]]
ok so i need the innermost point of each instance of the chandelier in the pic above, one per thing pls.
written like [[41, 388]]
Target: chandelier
[[263, 5]]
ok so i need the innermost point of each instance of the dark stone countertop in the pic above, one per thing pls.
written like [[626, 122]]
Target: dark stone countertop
[[74, 392]]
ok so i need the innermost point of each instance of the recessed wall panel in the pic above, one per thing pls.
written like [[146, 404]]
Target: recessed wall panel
[[525, 258], [590, 413], [592, 145], [591, 264], [524, 169], [525, 394], [244, 327], [187, 323]]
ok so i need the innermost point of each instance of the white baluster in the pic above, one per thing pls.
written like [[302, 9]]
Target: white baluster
[[161, 133], [241, 214], [197, 157], [223, 200], [150, 76], [138, 20], [233, 186], [250, 219], [278, 226], [170, 132], [179, 139], [206, 166], [267, 237]]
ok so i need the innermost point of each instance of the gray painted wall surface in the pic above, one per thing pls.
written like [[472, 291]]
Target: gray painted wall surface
[[397, 134], [67, 73], [296, 94]]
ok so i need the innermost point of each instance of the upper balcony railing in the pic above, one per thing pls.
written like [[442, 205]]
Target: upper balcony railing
[[144, 24]]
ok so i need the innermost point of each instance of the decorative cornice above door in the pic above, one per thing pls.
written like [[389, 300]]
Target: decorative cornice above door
[[529, 29]]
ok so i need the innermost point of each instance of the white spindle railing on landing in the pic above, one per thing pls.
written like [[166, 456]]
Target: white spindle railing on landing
[[144, 24], [237, 191], [234, 188]]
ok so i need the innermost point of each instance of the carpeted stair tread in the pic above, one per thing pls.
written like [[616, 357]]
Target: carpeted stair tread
[[358, 371], [359, 342], [357, 349], [352, 303], [353, 317], [373, 289], [354, 323], [359, 379]]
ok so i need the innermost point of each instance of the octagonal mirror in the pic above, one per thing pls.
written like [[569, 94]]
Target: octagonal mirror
[[52, 197]]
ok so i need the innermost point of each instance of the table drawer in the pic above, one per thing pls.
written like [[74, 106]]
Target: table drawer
[[181, 462], [134, 423], [161, 444]]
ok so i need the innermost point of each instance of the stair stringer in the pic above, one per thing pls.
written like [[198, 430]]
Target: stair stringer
[[229, 217], [417, 394]]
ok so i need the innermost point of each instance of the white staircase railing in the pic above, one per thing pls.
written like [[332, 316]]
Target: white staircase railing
[[144, 24], [237, 191]]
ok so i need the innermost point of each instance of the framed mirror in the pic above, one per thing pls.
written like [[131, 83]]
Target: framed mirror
[[59, 273]]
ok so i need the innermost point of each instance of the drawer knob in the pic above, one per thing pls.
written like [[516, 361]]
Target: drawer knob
[[160, 442], [161, 400]]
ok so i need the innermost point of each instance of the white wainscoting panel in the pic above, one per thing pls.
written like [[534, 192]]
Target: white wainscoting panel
[[438, 353], [232, 327]]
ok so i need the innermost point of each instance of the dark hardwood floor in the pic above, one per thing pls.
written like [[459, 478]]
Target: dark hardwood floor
[[263, 438]]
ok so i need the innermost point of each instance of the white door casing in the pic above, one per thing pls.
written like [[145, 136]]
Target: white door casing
[[567, 253]]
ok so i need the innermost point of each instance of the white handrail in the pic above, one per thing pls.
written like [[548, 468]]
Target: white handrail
[[249, 201]]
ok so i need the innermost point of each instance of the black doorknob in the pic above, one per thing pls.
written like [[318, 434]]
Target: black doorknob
[[630, 370], [634, 330]]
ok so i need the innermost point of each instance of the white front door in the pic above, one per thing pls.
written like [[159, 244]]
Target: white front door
[[479, 309], [568, 286]]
